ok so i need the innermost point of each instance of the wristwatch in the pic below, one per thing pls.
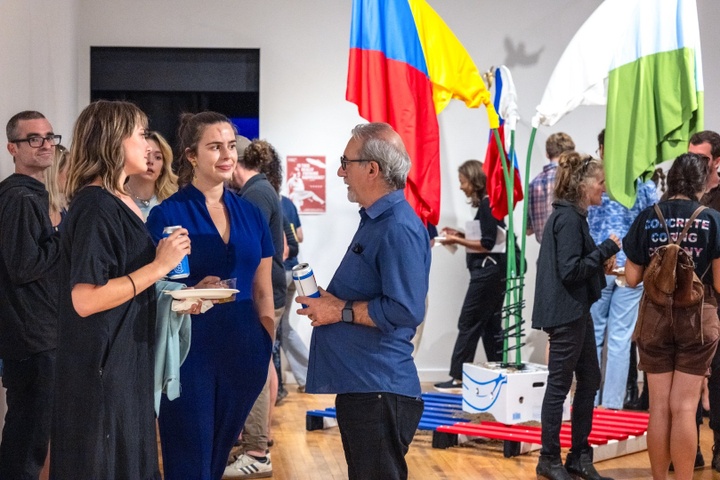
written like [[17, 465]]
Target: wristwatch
[[347, 313]]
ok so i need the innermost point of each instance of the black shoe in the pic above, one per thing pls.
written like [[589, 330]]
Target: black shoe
[[281, 396], [551, 468], [451, 386], [631, 394], [581, 466], [716, 457], [699, 460], [641, 403]]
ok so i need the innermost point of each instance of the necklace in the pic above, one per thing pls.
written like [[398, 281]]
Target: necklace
[[218, 205], [143, 202]]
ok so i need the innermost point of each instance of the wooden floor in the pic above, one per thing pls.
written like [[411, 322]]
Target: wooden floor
[[318, 455]]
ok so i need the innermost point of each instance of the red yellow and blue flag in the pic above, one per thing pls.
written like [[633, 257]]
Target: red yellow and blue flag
[[405, 66]]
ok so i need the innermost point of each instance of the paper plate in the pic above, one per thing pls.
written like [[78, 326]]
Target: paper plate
[[204, 293]]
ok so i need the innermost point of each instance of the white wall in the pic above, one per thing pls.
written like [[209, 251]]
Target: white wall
[[44, 60]]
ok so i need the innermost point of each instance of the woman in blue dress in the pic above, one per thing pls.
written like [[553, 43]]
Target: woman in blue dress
[[231, 343]]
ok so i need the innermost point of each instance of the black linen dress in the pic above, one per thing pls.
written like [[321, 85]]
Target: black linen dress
[[104, 423]]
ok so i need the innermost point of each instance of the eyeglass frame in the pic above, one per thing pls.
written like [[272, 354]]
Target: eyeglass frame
[[57, 139], [344, 161]]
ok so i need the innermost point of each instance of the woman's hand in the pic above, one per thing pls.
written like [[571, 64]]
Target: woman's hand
[[450, 236], [447, 231], [195, 309], [210, 281], [171, 250], [609, 265], [449, 239], [615, 239]]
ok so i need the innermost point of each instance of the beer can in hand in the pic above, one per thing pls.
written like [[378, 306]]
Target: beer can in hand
[[305, 283], [183, 268]]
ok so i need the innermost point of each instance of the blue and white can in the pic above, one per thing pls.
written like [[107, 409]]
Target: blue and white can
[[183, 268], [305, 282]]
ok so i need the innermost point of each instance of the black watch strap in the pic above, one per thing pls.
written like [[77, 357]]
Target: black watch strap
[[347, 312]]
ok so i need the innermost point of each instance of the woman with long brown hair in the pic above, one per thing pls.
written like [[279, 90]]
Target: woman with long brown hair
[[104, 425], [480, 314]]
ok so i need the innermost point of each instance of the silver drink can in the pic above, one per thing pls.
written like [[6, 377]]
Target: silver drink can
[[305, 283], [183, 268]]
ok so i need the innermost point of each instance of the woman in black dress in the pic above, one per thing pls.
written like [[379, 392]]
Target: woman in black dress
[[569, 279], [480, 314], [103, 424]]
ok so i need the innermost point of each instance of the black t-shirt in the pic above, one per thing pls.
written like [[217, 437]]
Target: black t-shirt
[[702, 242], [488, 235]]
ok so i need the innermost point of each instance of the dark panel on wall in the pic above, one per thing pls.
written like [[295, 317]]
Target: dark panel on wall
[[175, 69], [165, 82]]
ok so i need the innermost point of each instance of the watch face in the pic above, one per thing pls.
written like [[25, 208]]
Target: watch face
[[347, 315]]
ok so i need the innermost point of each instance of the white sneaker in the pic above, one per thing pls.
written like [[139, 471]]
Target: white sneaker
[[247, 466]]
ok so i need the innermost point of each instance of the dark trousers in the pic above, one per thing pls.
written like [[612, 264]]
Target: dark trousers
[[572, 350], [26, 434], [376, 431], [480, 317]]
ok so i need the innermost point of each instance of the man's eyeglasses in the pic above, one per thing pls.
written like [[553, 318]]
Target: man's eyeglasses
[[37, 142], [344, 161]]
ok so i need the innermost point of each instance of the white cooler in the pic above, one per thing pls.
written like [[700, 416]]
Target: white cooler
[[511, 396]]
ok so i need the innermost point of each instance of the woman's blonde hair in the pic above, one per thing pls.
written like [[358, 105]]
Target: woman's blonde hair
[[574, 171], [57, 201], [167, 182], [97, 150]]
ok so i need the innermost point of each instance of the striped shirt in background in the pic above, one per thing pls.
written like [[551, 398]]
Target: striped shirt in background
[[541, 197]]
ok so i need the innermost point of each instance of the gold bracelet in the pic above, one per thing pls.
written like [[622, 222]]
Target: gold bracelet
[[133, 285]]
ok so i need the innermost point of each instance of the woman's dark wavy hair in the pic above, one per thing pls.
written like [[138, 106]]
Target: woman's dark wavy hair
[[688, 175], [262, 157], [473, 171], [192, 126]]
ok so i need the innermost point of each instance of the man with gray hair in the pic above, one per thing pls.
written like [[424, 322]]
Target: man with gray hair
[[363, 323]]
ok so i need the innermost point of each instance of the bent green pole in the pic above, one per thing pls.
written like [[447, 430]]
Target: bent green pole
[[509, 242]]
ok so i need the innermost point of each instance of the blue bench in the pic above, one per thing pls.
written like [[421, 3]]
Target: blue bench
[[440, 409]]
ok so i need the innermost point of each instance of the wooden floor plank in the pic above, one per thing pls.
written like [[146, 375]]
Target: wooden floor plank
[[318, 455], [323, 457]]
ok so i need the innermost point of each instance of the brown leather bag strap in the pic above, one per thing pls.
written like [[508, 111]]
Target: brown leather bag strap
[[684, 233], [685, 230], [662, 220]]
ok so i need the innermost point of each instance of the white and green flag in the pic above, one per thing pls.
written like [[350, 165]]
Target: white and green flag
[[642, 59]]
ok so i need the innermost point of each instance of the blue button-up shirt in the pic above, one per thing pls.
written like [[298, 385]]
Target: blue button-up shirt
[[613, 217], [386, 264]]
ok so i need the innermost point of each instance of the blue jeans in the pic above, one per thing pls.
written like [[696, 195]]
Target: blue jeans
[[614, 316], [376, 431]]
